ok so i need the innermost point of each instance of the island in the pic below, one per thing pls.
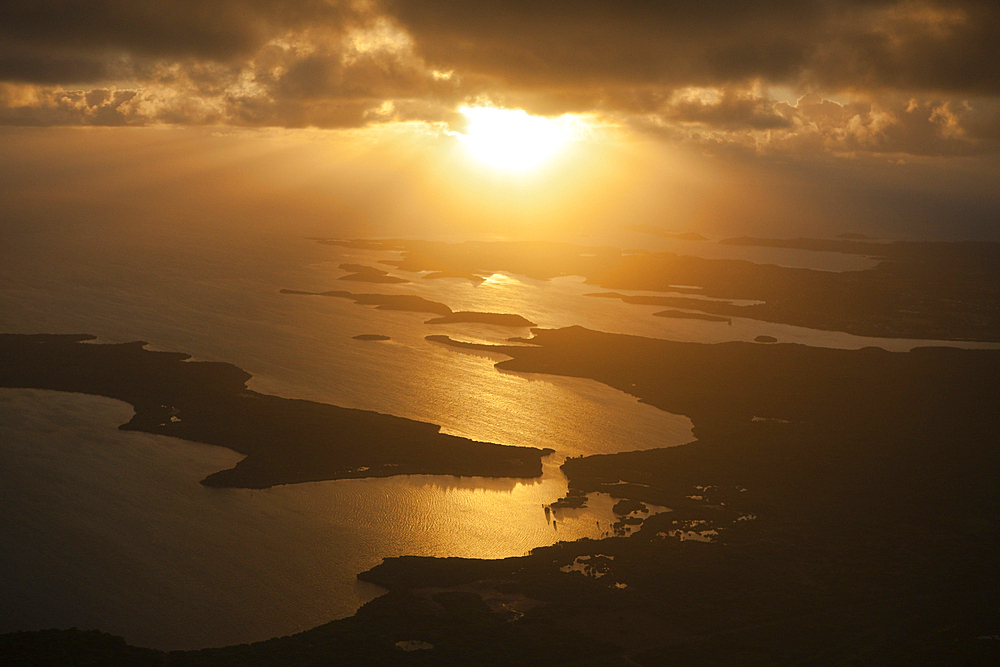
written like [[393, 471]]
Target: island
[[478, 347], [369, 274], [371, 337], [837, 507], [496, 319], [285, 440], [407, 302], [417, 304], [923, 290]]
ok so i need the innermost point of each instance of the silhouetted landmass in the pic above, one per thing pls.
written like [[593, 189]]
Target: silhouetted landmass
[[683, 315], [628, 506], [369, 274], [855, 495], [665, 233], [285, 440], [371, 337], [452, 274], [407, 302], [498, 319], [446, 340], [879, 425], [478, 347], [765, 339], [849, 245], [417, 304], [572, 500], [73, 647], [474, 260], [939, 291], [360, 244], [651, 300], [945, 291], [852, 496]]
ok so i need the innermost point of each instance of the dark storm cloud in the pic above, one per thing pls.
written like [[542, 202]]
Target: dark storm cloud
[[220, 29], [611, 43], [946, 45], [941, 45], [904, 70], [47, 66], [731, 111], [368, 76]]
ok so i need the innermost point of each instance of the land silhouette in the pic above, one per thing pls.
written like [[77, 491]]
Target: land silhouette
[[285, 440], [928, 290], [852, 500], [419, 304], [407, 302], [497, 319], [369, 274], [835, 506]]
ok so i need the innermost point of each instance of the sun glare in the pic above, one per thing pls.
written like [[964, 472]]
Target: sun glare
[[510, 139]]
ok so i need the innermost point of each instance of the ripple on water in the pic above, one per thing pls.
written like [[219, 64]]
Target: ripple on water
[[110, 529]]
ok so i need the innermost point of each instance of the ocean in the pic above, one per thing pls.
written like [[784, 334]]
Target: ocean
[[111, 530]]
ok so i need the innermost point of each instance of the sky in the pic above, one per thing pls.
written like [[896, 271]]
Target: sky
[[799, 117]]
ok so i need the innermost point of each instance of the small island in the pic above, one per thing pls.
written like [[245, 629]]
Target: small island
[[451, 342], [371, 337], [496, 319], [406, 302], [417, 304], [369, 274]]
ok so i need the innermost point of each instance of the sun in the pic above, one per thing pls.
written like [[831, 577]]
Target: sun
[[510, 139]]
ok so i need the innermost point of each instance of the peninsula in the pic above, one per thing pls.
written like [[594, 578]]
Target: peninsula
[[285, 440]]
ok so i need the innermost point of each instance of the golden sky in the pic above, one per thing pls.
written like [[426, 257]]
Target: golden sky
[[803, 110]]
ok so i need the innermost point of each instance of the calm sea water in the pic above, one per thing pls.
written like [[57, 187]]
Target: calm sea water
[[111, 530]]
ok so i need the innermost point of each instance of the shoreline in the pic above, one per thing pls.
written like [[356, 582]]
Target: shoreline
[[285, 440]]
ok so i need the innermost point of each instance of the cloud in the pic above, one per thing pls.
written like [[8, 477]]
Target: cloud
[[219, 30], [321, 75], [746, 123], [917, 77], [22, 105], [906, 126], [728, 109], [841, 43]]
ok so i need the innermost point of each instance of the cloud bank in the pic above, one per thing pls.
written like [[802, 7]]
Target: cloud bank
[[908, 77]]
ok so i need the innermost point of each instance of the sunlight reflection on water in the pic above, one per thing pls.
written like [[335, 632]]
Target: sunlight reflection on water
[[110, 529]]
